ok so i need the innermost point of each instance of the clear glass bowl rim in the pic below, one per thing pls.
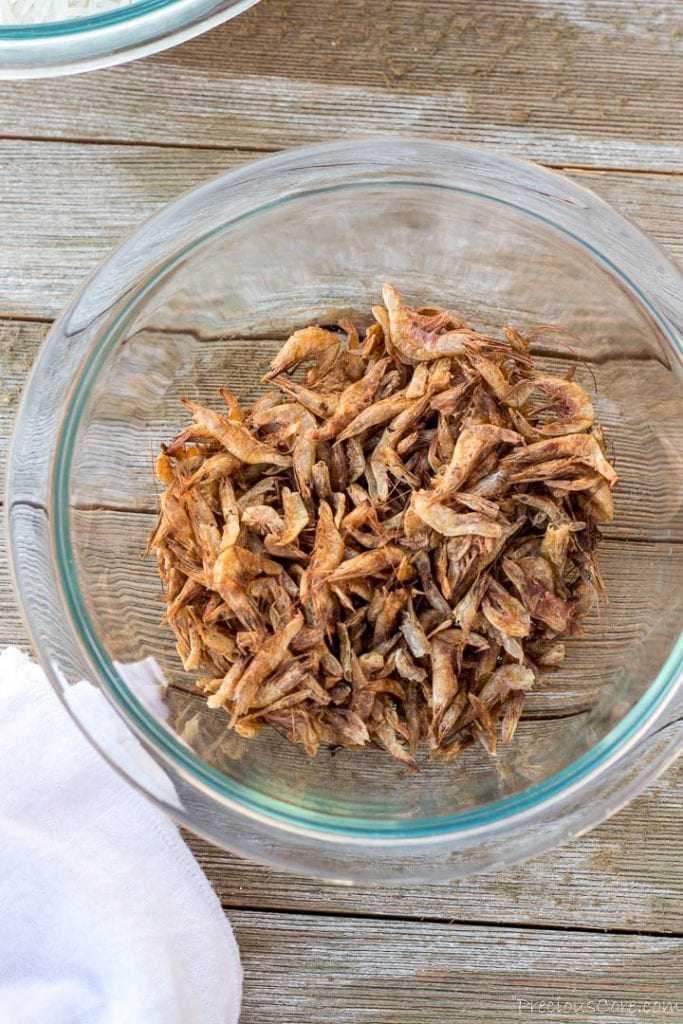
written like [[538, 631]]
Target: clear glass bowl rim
[[108, 38], [661, 692], [77, 26]]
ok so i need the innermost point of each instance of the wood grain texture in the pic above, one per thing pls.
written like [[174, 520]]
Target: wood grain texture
[[12, 628], [592, 84], [56, 230], [627, 874], [19, 344], [646, 507], [595, 88], [124, 598], [326, 970]]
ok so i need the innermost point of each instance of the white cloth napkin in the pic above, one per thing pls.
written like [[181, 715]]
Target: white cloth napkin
[[105, 916]]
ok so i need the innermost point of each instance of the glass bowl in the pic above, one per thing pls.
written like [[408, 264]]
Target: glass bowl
[[196, 299], [112, 37]]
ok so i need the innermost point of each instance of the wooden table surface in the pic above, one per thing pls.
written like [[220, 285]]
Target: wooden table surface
[[590, 932]]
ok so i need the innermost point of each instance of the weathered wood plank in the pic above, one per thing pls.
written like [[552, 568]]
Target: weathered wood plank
[[49, 247], [124, 597], [569, 82], [19, 343], [12, 628], [313, 970], [125, 593], [52, 242], [646, 507], [626, 874], [641, 569]]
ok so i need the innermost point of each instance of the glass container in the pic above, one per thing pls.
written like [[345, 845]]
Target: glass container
[[112, 37], [201, 296]]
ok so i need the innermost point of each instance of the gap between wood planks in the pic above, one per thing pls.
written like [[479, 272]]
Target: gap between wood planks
[[27, 318], [139, 510], [146, 511], [452, 921], [540, 350], [111, 505], [217, 147]]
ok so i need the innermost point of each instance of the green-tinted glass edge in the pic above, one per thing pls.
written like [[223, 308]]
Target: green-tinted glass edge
[[90, 23]]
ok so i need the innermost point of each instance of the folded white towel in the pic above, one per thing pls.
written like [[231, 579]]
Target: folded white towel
[[105, 917]]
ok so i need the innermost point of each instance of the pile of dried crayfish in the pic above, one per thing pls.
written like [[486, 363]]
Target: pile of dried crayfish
[[391, 549]]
